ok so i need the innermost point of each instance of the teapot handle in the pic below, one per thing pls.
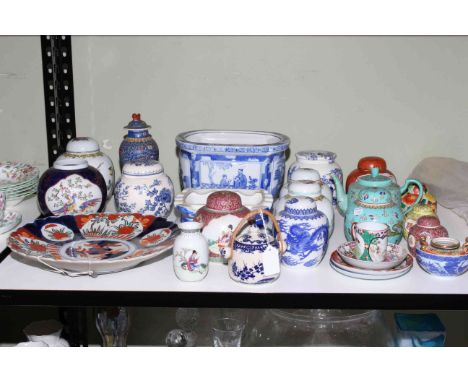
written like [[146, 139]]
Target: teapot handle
[[245, 220], [418, 199]]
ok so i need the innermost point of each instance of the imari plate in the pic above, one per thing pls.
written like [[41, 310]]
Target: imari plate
[[94, 243]]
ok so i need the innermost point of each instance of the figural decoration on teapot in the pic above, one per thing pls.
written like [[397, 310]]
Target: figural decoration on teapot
[[374, 198]]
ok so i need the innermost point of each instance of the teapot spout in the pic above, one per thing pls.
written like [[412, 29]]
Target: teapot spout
[[341, 196]]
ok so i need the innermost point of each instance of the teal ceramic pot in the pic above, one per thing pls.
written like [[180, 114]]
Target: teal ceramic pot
[[374, 198]]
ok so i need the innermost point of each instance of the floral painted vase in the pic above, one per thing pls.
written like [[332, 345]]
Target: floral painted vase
[[220, 216], [364, 168], [313, 191], [323, 162], [71, 187], [411, 217], [427, 226], [255, 254], [138, 144], [144, 188], [305, 231], [190, 253], [88, 149]]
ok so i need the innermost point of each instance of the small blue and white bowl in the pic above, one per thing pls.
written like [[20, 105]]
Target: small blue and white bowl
[[443, 257]]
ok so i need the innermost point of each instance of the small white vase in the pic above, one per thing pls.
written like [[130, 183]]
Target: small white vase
[[313, 191], [88, 149], [190, 253], [323, 162], [145, 189]]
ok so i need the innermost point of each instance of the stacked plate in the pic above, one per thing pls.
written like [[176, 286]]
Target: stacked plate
[[397, 262], [18, 180]]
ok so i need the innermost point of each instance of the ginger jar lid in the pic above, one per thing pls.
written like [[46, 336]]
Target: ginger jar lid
[[82, 145], [142, 168], [367, 163], [305, 188], [136, 123], [300, 206], [316, 155], [224, 201], [374, 179], [375, 197], [428, 222], [305, 174], [70, 164]]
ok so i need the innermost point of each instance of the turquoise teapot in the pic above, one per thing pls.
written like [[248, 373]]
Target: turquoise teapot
[[376, 198]]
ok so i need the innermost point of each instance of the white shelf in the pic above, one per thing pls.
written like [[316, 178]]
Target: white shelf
[[159, 277]]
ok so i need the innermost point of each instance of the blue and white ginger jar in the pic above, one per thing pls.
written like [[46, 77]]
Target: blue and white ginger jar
[[305, 230], [246, 263], [252, 160], [144, 188], [138, 144]]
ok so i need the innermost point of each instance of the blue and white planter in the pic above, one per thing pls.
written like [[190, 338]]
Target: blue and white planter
[[145, 189], [305, 231], [212, 159], [321, 161], [453, 264]]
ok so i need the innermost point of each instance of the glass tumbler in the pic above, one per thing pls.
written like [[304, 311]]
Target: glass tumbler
[[227, 332]]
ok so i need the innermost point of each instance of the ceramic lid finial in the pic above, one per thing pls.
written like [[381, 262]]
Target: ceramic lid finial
[[136, 117], [374, 171]]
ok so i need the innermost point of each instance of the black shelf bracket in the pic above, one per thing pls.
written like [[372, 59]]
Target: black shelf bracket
[[57, 73]]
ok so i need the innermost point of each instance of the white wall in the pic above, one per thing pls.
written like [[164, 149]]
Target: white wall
[[22, 118], [403, 98]]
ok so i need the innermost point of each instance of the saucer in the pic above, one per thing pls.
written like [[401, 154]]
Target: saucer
[[339, 265], [10, 221], [394, 256]]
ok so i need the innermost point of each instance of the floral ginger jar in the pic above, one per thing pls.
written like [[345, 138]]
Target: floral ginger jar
[[428, 227], [138, 144], [88, 149], [220, 216], [323, 162], [144, 188], [305, 230], [214, 159], [190, 253], [71, 187]]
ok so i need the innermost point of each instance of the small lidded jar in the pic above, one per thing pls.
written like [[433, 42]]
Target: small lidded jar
[[427, 226]]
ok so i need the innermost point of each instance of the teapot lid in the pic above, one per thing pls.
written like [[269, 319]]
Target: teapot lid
[[375, 197], [224, 201], [142, 168], [136, 123], [82, 145], [305, 174], [374, 179], [253, 238]]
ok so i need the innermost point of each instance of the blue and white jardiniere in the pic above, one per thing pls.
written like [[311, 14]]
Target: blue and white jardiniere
[[232, 159], [305, 230], [323, 162], [144, 188]]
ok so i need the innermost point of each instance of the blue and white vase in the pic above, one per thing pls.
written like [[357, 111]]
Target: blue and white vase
[[144, 188], [71, 187], [250, 160], [305, 230], [138, 144], [323, 162], [246, 265]]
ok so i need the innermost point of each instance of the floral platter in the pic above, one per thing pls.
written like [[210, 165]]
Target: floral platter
[[16, 173], [94, 243]]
